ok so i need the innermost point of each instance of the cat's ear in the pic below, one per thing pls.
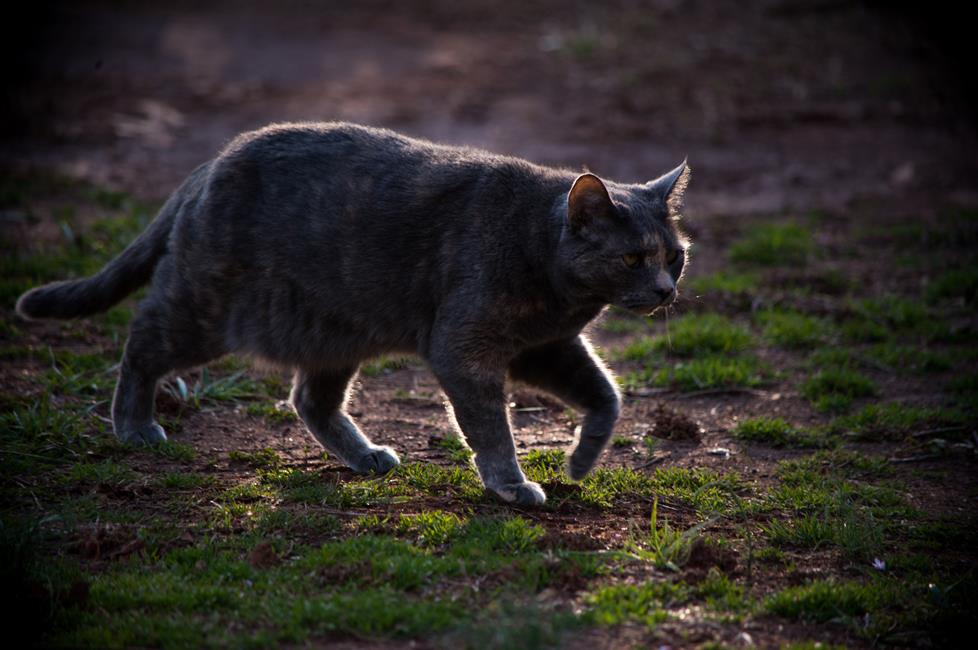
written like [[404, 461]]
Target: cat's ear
[[671, 187], [588, 201]]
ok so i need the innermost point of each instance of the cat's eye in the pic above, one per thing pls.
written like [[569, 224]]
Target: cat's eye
[[672, 257], [631, 260]]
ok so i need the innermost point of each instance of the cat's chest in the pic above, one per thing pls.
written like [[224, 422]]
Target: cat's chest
[[530, 322]]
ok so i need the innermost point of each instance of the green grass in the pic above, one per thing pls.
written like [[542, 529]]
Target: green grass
[[834, 389], [692, 336], [966, 382], [431, 528], [828, 503], [809, 531], [887, 355], [461, 482], [457, 450], [617, 322], [894, 421], [712, 354], [266, 458], [774, 244], [177, 451], [79, 374], [819, 602], [37, 587], [184, 480], [791, 329], [892, 356], [855, 531], [731, 282], [875, 608], [206, 388], [880, 319], [722, 594], [274, 412], [385, 365], [778, 433], [72, 256], [957, 285], [704, 373], [661, 544], [647, 603], [705, 490], [424, 554], [106, 473], [519, 623]]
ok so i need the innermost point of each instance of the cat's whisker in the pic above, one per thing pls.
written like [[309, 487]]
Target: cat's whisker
[[668, 337]]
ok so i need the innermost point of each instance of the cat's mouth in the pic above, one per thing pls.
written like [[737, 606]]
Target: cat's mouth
[[642, 310]]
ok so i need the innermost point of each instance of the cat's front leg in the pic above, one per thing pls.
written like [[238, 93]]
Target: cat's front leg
[[479, 406], [319, 397], [571, 371]]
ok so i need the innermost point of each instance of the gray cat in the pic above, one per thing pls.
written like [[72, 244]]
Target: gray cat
[[317, 246]]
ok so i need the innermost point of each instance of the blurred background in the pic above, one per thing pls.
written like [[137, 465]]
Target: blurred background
[[781, 105]]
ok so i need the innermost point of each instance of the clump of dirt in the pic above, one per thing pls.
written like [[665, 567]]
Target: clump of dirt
[[557, 491], [705, 556], [106, 541], [671, 425], [568, 539], [342, 573], [263, 556], [530, 400]]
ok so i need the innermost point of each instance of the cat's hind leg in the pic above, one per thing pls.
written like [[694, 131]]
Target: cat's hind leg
[[155, 347], [319, 397], [572, 372]]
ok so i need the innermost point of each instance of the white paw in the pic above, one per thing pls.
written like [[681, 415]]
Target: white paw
[[527, 493]]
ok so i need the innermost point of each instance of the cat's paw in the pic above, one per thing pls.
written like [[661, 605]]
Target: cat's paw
[[526, 493], [379, 460], [144, 436], [578, 467]]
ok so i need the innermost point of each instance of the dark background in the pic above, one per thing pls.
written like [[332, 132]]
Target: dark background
[[782, 105]]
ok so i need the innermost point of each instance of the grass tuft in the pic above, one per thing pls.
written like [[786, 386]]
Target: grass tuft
[[792, 329], [778, 433], [819, 602], [774, 244], [662, 545], [833, 389]]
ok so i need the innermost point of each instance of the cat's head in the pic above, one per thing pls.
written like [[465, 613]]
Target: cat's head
[[622, 244]]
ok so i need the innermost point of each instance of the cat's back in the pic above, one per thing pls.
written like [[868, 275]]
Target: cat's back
[[342, 182], [343, 150], [296, 140]]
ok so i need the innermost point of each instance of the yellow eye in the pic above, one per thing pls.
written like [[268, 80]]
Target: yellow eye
[[672, 257], [631, 260]]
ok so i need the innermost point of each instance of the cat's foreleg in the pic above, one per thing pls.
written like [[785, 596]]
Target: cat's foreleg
[[319, 398], [571, 371], [479, 408]]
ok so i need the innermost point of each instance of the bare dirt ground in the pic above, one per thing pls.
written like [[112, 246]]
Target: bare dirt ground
[[850, 116], [778, 105]]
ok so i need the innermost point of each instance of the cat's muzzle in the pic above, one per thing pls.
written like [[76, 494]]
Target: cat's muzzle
[[646, 308]]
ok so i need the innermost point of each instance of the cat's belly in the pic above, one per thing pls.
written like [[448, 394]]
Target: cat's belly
[[310, 337]]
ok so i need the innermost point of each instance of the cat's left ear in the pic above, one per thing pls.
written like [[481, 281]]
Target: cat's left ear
[[671, 187]]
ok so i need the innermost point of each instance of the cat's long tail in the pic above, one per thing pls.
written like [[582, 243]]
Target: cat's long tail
[[131, 269]]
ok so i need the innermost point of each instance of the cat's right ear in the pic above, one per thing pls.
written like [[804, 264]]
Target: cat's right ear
[[587, 202]]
